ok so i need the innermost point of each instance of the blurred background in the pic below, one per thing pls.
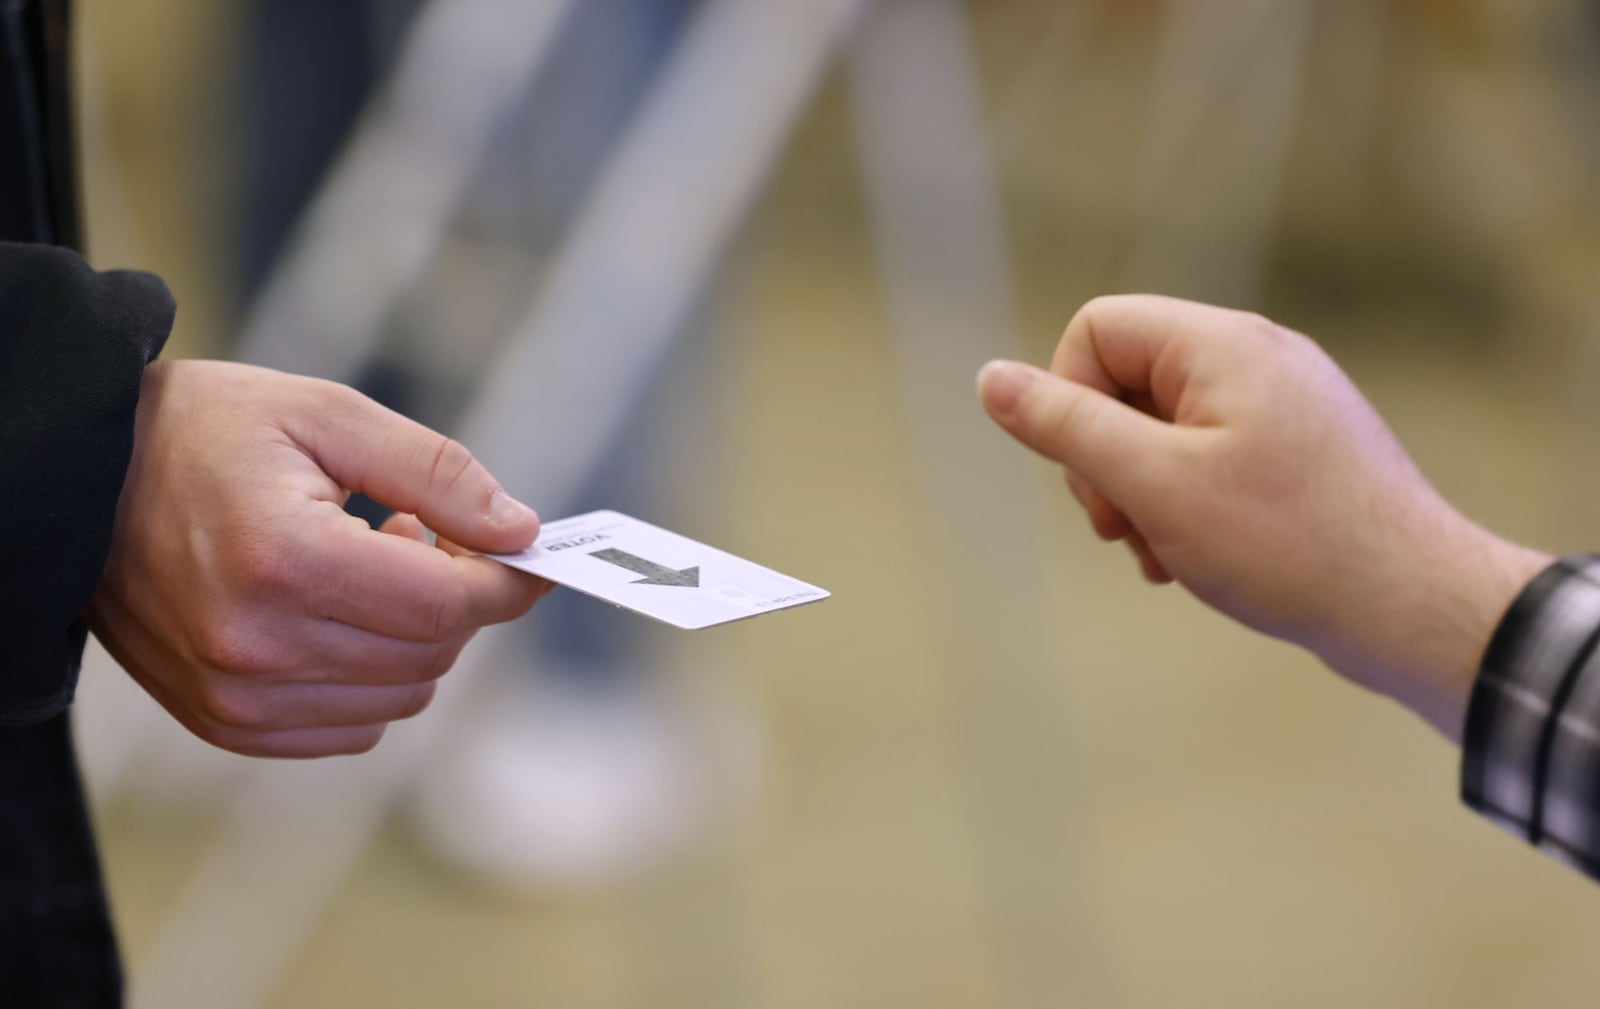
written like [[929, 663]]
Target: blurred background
[[730, 265]]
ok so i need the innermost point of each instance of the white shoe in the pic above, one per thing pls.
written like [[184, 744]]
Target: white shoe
[[559, 786]]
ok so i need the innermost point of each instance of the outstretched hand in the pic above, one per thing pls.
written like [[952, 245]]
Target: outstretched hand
[[1236, 458], [246, 601]]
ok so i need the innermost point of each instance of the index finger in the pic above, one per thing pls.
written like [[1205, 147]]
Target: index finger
[[402, 588], [367, 447], [1127, 345]]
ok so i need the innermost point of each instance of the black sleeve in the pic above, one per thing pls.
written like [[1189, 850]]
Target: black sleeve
[[73, 348]]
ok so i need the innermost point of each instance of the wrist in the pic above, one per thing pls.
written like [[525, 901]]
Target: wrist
[[1427, 634], [1472, 601]]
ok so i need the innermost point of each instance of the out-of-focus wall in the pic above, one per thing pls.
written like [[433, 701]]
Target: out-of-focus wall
[[154, 79]]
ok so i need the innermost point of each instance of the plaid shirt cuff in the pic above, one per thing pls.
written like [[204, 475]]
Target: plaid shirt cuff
[[1531, 749]]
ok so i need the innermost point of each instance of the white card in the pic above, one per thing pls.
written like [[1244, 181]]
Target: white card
[[648, 570]]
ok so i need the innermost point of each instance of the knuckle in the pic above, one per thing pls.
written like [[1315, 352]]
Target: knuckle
[[328, 400], [1080, 329], [274, 567], [225, 643], [360, 741], [1100, 305], [1294, 340], [520, 595], [452, 606], [439, 661], [417, 701], [1101, 312], [336, 397], [451, 461], [1255, 326], [245, 744], [230, 707]]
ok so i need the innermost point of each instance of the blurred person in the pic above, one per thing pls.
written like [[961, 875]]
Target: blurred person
[[189, 514], [1235, 458]]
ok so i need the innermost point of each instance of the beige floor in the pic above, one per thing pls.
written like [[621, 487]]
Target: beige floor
[[1178, 814]]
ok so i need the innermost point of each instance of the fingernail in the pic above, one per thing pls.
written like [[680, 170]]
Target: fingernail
[[506, 510], [1001, 384]]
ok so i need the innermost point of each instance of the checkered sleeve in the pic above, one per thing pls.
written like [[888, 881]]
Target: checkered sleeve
[[1531, 748]]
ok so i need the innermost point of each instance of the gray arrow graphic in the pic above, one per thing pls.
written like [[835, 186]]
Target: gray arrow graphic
[[654, 574]]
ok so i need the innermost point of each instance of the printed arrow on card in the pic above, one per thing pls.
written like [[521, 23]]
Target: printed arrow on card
[[654, 574], [568, 550]]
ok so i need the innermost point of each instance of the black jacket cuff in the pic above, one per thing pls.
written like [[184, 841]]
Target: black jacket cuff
[[74, 344]]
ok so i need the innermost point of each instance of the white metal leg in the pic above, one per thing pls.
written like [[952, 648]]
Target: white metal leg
[[395, 190], [935, 211]]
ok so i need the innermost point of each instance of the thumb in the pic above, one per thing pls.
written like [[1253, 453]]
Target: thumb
[[412, 469], [1103, 440]]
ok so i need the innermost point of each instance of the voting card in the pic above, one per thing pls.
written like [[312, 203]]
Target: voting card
[[648, 570]]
